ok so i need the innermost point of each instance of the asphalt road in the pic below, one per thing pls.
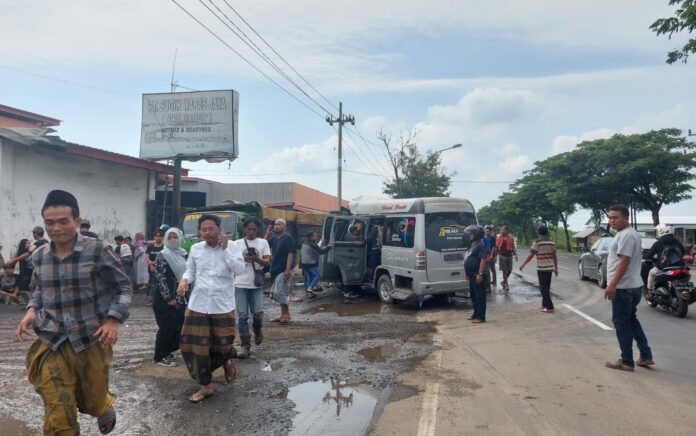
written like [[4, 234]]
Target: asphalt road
[[672, 339]]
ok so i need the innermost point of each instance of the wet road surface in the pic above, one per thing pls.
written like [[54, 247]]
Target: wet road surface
[[331, 370]]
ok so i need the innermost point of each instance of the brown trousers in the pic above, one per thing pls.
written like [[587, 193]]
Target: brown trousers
[[206, 343]]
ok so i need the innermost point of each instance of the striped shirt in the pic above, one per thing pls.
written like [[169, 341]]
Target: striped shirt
[[73, 297], [544, 249]]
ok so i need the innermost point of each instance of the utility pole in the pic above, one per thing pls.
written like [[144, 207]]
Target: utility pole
[[342, 119]]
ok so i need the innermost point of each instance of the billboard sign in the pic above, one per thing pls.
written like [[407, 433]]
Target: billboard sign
[[192, 125]]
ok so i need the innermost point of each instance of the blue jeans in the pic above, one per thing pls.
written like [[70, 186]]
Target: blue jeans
[[311, 275], [627, 325], [249, 300], [477, 292]]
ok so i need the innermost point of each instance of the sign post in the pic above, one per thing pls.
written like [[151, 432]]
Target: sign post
[[189, 126]]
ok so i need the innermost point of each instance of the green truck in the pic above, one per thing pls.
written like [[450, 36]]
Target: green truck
[[232, 215]]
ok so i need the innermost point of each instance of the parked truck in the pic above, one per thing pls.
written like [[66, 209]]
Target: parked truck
[[233, 214]]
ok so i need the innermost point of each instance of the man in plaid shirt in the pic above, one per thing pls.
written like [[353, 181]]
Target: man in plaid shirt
[[81, 297]]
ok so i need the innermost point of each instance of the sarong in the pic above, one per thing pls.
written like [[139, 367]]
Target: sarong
[[206, 343], [68, 382]]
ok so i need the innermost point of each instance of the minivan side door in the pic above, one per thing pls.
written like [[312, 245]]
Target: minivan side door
[[348, 256], [329, 270]]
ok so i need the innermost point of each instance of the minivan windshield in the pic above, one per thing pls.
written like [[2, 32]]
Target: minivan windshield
[[444, 231]]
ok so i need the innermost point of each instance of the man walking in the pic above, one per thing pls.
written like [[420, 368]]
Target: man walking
[[505, 249], [547, 263], [282, 262], [492, 252], [208, 332], [81, 297], [625, 290]]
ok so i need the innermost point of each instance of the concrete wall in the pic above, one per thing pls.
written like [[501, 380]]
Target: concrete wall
[[112, 196], [245, 192]]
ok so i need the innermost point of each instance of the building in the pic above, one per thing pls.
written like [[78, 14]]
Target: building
[[116, 192], [684, 227], [587, 237], [196, 192]]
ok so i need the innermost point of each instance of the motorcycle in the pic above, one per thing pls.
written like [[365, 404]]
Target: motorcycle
[[673, 290]]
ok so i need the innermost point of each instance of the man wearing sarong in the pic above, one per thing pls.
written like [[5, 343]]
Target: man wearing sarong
[[81, 297], [208, 332]]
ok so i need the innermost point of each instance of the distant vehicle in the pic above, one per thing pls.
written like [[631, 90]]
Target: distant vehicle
[[423, 244], [232, 216], [593, 262]]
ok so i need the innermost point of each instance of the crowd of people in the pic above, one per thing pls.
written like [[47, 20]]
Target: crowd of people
[[82, 288]]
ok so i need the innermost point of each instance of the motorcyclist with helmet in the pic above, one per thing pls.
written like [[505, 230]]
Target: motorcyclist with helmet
[[666, 252]]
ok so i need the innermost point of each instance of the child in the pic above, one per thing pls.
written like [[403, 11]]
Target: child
[[9, 285]]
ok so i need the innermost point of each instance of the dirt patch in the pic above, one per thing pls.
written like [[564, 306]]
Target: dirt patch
[[14, 427]]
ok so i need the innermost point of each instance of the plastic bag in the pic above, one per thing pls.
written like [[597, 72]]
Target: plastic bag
[[280, 290]]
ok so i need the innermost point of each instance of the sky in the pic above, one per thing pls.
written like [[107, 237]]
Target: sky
[[513, 82]]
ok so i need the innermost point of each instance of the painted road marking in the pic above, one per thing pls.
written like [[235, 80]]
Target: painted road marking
[[587, 317], [564, 267], [428, 418]]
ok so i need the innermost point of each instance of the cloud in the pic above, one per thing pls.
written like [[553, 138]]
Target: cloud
[[478, 116], [514, 165], [563, 143]]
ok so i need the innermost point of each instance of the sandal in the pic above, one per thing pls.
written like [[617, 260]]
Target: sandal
[[276, 319], [296, 299], [107, 421], [202, 395], [230, 370], [619, 365]]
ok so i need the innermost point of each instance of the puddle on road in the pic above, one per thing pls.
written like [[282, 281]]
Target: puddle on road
[[13, 427], [360, 307], [379, 353], [334, 407]]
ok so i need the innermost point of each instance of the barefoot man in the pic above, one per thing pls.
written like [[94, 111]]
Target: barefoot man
[[208, 332], [81, 297]]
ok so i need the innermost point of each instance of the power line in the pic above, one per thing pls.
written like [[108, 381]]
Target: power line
[[374, 166], [378, 162], [68, 82], [246, 60], [258, 51], [280, 56]]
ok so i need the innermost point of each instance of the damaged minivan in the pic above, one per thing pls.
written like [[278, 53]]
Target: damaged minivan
[[405, 249]]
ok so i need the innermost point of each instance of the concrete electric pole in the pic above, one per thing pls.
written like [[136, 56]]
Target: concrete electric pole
[[340, 120]]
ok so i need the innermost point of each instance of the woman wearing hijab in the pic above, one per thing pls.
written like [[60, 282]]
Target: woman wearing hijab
[[170, 266], [142, 274]]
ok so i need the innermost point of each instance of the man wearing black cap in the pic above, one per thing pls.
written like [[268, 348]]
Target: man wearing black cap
[[81, 296], [84, 229]]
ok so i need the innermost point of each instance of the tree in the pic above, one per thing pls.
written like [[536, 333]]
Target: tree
[[645, 170], [415, 175], [684, 18]]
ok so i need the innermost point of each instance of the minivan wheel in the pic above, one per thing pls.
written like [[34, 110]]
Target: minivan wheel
[[581, 271], [385, 288]]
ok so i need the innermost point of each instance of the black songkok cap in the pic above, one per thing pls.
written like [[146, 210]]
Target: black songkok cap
[[61, 198]]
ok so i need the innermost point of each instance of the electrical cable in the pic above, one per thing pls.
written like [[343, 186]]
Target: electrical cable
[[246, 60]]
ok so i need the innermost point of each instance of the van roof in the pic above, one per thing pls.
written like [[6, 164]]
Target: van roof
[[411, 205]]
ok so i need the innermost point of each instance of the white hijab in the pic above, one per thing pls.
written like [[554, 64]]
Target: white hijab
[[174, 254]]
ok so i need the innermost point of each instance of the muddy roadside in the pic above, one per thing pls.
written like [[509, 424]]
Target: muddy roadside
[[332, 369]]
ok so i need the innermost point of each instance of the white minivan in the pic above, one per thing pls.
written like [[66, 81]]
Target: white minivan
[[422, 243]]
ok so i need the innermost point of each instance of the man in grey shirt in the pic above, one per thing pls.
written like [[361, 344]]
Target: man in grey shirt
[[625, 290]]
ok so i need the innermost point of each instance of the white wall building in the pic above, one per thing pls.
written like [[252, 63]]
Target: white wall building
[[115, 192]]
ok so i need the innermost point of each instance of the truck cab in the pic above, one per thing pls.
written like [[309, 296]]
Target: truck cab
[[419, 249]]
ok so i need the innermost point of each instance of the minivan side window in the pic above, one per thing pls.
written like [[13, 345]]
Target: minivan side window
[[340, 229], [399, 232], [327, 228]]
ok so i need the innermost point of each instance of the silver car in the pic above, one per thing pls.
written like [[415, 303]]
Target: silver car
[[593, 263]]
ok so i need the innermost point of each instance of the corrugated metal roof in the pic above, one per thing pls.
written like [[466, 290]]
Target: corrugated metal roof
[[28, 116], [584, 233]]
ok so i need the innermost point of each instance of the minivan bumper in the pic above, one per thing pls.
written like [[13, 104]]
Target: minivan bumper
[[435, 288]]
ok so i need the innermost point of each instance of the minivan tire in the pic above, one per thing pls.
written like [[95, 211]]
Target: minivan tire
[[384, 289]]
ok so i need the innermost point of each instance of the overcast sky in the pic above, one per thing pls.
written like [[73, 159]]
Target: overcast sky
[[513, 81]]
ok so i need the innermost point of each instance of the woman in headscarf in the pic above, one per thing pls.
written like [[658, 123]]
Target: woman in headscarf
[[169, 308], [142, 273]]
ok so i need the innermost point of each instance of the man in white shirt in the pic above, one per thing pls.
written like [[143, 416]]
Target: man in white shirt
[[208, 331], [249, 285]]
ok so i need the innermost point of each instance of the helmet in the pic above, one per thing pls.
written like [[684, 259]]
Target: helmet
[[663, 230], [475, 230]]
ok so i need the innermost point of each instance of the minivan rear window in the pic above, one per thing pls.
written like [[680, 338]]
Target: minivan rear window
[[444, 231], [399, 231]]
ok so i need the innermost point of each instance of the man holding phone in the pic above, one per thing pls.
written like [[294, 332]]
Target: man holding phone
[[208, 332]]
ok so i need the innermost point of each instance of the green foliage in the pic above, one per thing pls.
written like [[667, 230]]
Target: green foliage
[[684, 19], [418, 176], [645, 171]]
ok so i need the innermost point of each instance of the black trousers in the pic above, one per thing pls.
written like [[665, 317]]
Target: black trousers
[[545, 288], [170, 320]]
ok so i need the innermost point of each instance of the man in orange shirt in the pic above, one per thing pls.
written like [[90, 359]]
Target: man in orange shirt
[[505, 249]]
